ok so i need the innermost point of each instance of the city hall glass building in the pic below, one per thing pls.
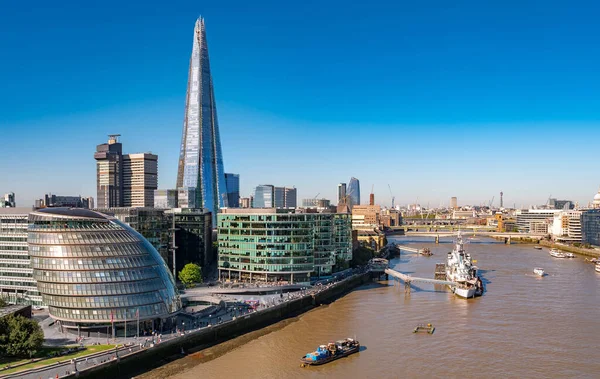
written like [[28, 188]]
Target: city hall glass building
[[276, 245], [92, 269], [200, 158]]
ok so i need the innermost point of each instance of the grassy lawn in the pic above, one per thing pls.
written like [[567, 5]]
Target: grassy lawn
[[47, 350]]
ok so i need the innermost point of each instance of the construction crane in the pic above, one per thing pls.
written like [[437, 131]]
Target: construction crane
[[317, 195], [491, 202], [392, 195]]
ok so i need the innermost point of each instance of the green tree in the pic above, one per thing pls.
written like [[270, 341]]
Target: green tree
[[190, 274], [3, 302], [20, 337], [361, 256]]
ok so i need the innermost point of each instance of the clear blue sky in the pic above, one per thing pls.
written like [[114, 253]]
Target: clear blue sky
[[437, 99]]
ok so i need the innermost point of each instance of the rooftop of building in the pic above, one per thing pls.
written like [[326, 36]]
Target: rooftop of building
[[16, 211], [256, 210], [71, 212], [12, 309]]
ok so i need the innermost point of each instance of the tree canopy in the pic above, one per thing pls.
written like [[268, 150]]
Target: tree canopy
[[190, 274], [361, 256], [20, 337]]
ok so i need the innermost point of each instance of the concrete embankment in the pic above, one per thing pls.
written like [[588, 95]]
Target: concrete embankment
[[576, 250], [171, 350]]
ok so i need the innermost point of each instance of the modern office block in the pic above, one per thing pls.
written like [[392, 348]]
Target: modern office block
[[590, 227], [264, 196], [193, 232], [165, 199], [341, 193], [279, 245], [193, 238], [124, 180], [186, 198], [140, 179], [109, 173], [233, 190], [285, 197], [8, 201], [17, 284], [353, 192], [51, 200]]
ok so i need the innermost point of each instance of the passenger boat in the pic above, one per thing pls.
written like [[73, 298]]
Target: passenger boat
[[539, 271], [556, 254], [331, 352], [598, 267], [569, 255]]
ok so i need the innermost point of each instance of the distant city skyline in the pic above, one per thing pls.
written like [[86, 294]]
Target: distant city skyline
[[455, 107]]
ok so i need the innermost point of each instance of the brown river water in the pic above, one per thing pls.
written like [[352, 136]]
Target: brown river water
[[523, 327]]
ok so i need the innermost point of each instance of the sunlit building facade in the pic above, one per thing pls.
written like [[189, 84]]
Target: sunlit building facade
[[200, 158], [353, 192], [278, 245], [93, 271], [16, 276]]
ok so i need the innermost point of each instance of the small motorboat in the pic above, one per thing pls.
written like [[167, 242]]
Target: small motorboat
[[557, 254], [539, 271], [537, 247], [569, 255], [426, 252]]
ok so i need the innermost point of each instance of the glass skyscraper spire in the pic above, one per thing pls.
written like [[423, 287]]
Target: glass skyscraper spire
[[200, 159]]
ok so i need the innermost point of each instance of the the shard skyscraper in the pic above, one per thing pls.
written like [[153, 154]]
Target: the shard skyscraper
[[200, 159]]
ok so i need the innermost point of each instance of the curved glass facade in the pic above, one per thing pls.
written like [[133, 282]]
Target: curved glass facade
[[274, 246], [91, 268], [353, 191]]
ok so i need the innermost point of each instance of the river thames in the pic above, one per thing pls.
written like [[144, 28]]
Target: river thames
[[523, 326]]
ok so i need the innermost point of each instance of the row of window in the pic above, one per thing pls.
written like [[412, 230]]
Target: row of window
[[125, 249], [73, 224], [95, 276], [102, 301], [101, 289], [91, 264], [113, 237], [267, 268], [107, 315]]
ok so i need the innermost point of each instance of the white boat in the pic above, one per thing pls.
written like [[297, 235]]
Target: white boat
[[460, 270], [537, 247], [557, 254], [539, 271], [598, 267], [569, 255]]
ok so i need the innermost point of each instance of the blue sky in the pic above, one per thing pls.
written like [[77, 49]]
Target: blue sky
[[436, 99]]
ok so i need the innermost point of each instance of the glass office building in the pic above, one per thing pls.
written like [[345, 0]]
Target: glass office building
[[353, 192], [200, 158], [590, 227], [16, 276], [93, 270], [233, 190], [276, 245], [264, 196]]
